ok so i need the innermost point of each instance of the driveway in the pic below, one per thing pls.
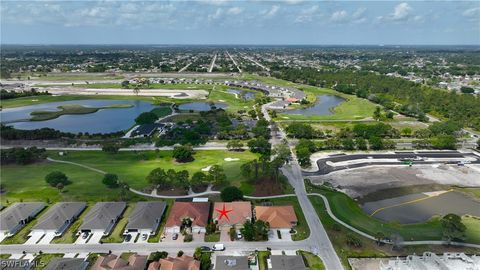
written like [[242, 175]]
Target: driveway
[[225, 234], [198, 237], [134, 237], [80, 240], [34, 238], [47, 238], [2, 236], [95, 238], [141, 240]]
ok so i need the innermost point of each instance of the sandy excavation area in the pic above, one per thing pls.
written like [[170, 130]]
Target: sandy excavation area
[[362, 181], [172, 93]]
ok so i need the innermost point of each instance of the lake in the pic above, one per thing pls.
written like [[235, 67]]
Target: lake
[[102, 121], [323, 106], [242, 93], [200, 106], [416, 208]]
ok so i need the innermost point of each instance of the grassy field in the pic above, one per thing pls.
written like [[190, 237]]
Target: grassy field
[[349, 211], [313, 262], [219, 94], [303, 231], [162, 111], [184, 86], [65, 76], [27, 182], [71, 109]]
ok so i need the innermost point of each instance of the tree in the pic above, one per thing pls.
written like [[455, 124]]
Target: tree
[[60, 187], [467, 90], [157, 255], [136, 90], [361, 143], [282, 152], [452, 228], [158, 177], [146, 118], [379, 236], [235, 145], [260, 145], [199, 179], [406, 132], [56, 177], [216, 175], [376, 143], [261, 230], [205, 261], [248, 231], [111, 148], [125, 84], [180, 253], [110, 180], [377, 114], [230, 194], [183, 153]]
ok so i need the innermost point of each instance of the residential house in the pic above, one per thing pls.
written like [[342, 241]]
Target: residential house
[[16, 216], [114, 262], [146, 217], [67, 264], [102, 218], [183, 262], [59, 217], [284, 262], [197, 212], [228, 214], [231, 263], [279, 217]]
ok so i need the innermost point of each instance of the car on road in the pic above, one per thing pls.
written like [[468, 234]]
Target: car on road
[[205, 248], [128, 237], [175, 236], [218, 247]]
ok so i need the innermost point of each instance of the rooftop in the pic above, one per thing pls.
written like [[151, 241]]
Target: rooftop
[[13, 215], [145, 215], [197, 211], [56, 217], [102, 215]]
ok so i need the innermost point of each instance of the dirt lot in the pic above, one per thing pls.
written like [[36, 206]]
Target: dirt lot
[[362, 181]]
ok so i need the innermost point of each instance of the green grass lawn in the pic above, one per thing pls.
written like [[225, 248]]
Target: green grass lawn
[[303, 231], [262, 259], [27, 182], [43, 260], [162, 111], [116, 236], [312, 261], [213, 237], [219, 94], [349, 212], [65, 76]]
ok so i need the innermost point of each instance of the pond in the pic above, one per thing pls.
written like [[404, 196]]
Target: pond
[[323, 106], [415, 208], [200, 106], [103, 121], [247, 95]]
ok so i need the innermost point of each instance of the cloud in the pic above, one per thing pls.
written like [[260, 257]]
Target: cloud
[[339, 16], [307, 14], [401, 12], [218, 13], [473, 14], [271, 12], [234, 11]]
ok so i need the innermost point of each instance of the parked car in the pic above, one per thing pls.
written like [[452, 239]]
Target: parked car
[[144, 236], [218, 247], [205, 249], [85, 235], [175, 236], [239, 235], [128, 237]]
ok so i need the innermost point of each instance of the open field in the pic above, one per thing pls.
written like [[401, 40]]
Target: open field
[[71, 109], [27, 182], [184, 86], [65, 76], [219, 94]]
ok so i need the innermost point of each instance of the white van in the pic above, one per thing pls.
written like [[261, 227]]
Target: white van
[[218, 247]]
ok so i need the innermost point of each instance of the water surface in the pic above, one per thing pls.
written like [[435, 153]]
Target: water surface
[[200, 106], [102, 121], [323, 106]]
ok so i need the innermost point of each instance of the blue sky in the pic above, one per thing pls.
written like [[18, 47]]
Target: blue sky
[[240, 22]]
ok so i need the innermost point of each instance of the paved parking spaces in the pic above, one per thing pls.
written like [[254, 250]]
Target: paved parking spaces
[[34, 238], [95, 238], [47, 238]]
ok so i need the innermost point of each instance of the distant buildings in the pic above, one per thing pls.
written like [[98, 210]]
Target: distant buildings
[[431, 261]]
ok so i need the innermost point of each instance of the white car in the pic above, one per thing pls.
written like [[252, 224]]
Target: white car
[[218, 247]]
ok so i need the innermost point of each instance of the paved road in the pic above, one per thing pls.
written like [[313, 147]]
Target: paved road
[[324, 168], [318, 241]]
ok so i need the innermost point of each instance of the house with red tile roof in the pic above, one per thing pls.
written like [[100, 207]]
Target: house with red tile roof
[[197, 212], [279, 217], [114, 262], [183, 262], [228, 214]]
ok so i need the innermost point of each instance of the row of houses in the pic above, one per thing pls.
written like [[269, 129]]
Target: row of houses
[[228, 214], [101, 219], [145, 218]]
